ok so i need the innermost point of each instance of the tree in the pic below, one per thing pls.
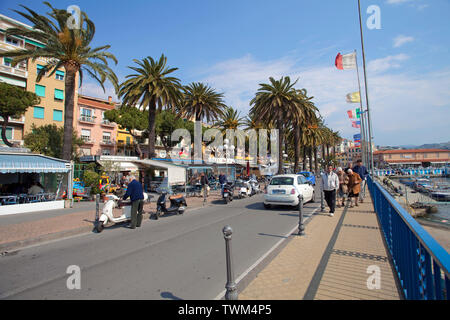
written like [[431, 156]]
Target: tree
[[152, 89], [230, 119], [14, 102], [276, 103], [64, 47], [48, 140], [132, 119]]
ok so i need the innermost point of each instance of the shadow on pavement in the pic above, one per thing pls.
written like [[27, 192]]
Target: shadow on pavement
[[169, 295]]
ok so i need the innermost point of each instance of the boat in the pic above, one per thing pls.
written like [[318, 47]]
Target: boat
[[441, 195]]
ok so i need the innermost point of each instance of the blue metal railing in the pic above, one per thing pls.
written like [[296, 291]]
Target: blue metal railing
[[421, 263]]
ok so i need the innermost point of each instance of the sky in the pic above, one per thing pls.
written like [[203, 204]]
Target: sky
[[235, 45]]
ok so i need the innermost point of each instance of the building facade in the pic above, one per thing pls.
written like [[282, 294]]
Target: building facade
[[99, 135], [411, 158], [50, 89]]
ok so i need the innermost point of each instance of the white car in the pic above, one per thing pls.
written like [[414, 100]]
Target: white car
[[284, 190]]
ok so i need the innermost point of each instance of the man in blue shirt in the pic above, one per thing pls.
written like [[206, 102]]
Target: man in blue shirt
[[363, 173], [222, 180], [136, 194]]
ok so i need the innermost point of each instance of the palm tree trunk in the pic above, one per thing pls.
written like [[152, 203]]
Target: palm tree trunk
[[310, 158], [296, 147], [304, 158], [151, 129], [4, 138], [69, 104], [315, 160], [280, 145]]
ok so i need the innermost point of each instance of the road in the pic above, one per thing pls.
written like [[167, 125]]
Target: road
[[175, 257]]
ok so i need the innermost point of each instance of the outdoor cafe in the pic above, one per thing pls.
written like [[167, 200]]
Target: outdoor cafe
[[32, 182]]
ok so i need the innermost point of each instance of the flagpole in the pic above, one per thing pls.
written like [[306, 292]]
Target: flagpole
[[369, 125], [362, 130]]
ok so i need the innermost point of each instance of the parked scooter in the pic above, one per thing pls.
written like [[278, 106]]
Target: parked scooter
[[177, 204], [108, 207], [228, 192], [256, 188], [243, 189]]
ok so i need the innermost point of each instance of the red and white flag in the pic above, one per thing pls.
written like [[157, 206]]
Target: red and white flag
[[346, 61]]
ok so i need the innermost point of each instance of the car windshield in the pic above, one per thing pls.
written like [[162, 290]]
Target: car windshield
[[282, 181], [306, 174]]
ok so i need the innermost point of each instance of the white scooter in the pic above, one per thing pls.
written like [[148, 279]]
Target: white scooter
[[108, 208], [243, 189]]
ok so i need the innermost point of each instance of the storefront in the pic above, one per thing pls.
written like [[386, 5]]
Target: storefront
[[32, 182]]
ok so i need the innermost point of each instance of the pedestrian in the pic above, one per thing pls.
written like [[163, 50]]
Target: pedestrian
[[136, 194], [330, 184], [354, 187], [222, 181], [343, 187], [205, 183], [363, 173], [350, 166]]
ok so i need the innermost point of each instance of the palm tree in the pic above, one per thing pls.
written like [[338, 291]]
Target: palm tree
[[64, 47], [152, 88], [230, 119], [276, 102]]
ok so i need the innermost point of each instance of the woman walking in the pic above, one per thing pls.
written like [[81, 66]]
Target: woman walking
[[343, 187], [354, 186]]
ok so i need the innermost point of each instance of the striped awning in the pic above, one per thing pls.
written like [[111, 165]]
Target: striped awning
[[31, 163]]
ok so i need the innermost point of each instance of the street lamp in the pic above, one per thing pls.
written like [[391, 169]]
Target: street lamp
[[285, 156], [227, 147]]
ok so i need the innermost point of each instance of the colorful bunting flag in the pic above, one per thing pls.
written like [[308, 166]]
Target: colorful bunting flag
[[354, 114], [356, 124], [346, 61], [353, 97]]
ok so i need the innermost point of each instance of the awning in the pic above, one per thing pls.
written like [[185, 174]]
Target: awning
[[31, 163], [120, 166], [176, 174]]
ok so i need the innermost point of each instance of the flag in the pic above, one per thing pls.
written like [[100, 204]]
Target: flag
[[354, 114], [346, 61], [356, 124], [353, 97], [357, 137], [358, 144]]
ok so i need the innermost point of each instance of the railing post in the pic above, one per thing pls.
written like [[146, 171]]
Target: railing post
[[301, 227], [231, 293]]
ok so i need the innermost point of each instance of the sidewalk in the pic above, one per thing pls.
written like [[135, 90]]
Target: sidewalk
[[330, 262], [15, 236]]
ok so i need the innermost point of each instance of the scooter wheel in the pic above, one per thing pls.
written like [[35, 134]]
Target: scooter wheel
[[100, 226]]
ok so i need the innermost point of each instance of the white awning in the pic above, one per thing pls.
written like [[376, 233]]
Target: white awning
[[120, 166], [176, 174], [14, 82]]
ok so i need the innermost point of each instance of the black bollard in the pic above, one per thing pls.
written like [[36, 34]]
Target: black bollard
[[301, 227], [231, 293]]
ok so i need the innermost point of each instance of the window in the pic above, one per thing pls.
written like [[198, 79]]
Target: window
[[87, 115], [39, 68], [86, 135], [86, 112], [13, 41], [106, 137], [282, 181], [85, 151], [301, 180], [59, 75], [38, 113], [9, 134], [106, 152], [57, 115], [7, 62], [59, 94], [40, 90], [425, 155], [128, 140]]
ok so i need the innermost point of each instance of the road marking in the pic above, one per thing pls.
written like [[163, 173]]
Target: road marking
[[246, 272]]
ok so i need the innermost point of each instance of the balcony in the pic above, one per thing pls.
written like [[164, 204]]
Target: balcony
[[20, 120], [18, 72], [87, 140], [109, 143], [107, 123], [87, 119]]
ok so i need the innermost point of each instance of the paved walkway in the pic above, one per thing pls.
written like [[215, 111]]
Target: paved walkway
[[330, 262], [17, 235]]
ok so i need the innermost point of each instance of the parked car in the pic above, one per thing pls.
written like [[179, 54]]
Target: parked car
[[309, 176], [284, 190]]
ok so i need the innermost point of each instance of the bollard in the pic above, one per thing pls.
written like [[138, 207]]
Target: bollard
[[97, 209], [231, 293], [301, 227]]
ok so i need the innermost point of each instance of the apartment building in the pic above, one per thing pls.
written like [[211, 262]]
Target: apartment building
[[411, 157], [99, 135], [50, 88]]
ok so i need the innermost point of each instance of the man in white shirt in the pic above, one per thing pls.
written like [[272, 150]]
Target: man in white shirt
[[330, 184]]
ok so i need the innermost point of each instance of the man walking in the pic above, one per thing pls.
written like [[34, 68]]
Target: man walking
[[136, 194], [205, 184], [363, 173], [222, 181], [330, 184]]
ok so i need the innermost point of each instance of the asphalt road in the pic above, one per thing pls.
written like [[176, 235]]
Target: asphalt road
[[175, 257]]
